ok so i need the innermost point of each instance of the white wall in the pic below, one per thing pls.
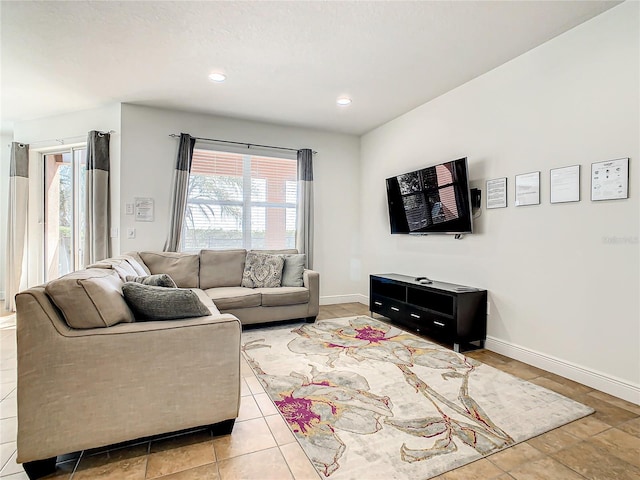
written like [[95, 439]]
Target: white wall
[[563, 279], [142, 162], [5, 159], [148, 161], [41, 134]]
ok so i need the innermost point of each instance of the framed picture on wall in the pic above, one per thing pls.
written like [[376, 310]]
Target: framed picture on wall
[[528, 189], [565, 184], [610, 180], [497, 193]]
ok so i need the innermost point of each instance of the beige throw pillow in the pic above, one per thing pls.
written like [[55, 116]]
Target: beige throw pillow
[[90, 298]]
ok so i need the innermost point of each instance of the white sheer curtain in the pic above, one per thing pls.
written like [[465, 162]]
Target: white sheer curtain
[[16, 221], [304, 219]]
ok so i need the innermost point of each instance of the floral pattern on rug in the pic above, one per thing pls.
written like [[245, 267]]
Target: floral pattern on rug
[[316, 406], [325, 399]]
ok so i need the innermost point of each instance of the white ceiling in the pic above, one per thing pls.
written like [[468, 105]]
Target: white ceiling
[[286, 61]]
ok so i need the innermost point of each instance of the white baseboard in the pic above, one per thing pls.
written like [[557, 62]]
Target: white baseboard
[[592, 378], [606, 383], [353, 298]]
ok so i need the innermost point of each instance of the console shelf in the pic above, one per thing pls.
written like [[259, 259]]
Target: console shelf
[[448, 312]]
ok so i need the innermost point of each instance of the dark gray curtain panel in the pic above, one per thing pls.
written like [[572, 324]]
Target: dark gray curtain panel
[[304, 218], [180, 190], [16, 221], [97, 241]]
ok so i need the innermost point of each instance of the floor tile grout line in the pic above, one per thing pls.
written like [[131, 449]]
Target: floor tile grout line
[[8, 459], [286, 462]]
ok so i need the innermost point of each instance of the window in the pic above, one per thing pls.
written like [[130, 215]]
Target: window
[[64, 211], [240, 201]]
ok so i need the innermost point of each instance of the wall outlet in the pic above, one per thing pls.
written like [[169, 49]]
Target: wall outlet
[[114, 232], [488, 308], [131, 233], [128, 208]]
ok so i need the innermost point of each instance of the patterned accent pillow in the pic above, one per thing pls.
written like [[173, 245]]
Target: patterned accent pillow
[[160, 303], [157, 280], [262, 270]]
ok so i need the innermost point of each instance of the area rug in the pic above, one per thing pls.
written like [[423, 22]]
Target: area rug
[[368, 400]]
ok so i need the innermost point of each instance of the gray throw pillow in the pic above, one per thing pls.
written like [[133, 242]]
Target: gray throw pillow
[[160, 303], [262, 270], [293, 270], [157, 280]]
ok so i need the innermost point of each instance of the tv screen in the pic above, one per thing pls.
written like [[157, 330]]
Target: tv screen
[[434, 199]]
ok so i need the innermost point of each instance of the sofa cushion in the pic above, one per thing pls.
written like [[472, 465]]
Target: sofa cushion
[[157, 280], [261, 270], [293, 270], [182, 267], [90, 298], [159, 303], [275, 297], [221, 268], [226, 298]]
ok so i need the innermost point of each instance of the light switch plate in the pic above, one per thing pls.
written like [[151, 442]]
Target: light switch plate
[[128, 208], [114, 232], [131, 233]]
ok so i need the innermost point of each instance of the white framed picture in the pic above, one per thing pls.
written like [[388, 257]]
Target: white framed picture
[[528, 189], [497, 193], [565, 184], [610, 180]]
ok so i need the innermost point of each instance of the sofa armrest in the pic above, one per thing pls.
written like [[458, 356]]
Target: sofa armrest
[[80, 389], [311, 280]]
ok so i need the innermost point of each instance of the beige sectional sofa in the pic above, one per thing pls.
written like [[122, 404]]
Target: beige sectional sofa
[[219, 274], [91, 373]]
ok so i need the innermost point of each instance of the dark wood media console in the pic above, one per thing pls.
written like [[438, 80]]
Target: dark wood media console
[[448, 312]]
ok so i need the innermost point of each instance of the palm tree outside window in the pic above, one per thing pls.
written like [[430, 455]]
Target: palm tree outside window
[[240, 201]]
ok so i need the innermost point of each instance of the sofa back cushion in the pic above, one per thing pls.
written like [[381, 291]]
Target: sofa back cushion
[[183, 268], [90, 298], [221, 268]]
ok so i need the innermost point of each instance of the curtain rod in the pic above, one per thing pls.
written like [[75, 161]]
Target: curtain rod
[[248, 145], [62, 140]]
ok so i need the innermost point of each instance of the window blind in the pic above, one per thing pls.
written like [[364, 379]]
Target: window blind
[[238, 200]]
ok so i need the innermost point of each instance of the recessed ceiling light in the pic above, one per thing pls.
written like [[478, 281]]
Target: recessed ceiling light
[[217, 77], [343, 101]]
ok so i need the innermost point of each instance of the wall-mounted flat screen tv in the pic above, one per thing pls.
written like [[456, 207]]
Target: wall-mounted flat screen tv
[[434, 199]]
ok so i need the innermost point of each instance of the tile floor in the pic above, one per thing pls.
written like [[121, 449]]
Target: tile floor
[[603, 446]]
